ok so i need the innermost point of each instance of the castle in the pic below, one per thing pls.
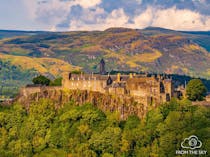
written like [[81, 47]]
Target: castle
[[147, 90]]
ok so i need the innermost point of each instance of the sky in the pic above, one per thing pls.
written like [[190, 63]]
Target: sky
[[71, 15]]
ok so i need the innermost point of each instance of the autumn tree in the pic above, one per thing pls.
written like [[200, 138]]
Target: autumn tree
[[196, 90]]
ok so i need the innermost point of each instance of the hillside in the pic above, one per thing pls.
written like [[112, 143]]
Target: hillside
[[52, 66], [11, 33], [151, 49], [17, 71], [12, 77]]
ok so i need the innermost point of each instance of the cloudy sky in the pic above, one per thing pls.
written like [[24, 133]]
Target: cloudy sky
[[67, 15]]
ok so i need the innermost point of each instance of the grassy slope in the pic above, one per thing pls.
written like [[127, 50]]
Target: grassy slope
[[17, 71], [41, 65]]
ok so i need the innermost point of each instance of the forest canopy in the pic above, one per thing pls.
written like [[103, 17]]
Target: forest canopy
[[86, 131]]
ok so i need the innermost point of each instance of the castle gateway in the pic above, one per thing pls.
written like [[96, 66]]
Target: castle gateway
[[145, 89]]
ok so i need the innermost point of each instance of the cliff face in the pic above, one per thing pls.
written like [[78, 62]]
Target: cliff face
[[124, 105]]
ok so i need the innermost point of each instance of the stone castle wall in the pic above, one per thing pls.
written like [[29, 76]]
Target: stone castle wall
[[91, 85], [147, 91], [148, 88], [27, 91]]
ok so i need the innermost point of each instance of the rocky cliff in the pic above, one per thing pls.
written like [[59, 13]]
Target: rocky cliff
[[124, 105]]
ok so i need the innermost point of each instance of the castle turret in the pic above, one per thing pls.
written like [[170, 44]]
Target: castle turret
[[102, 67]]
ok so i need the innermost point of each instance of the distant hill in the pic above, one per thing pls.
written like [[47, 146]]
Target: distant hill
[[14, 33], [150, 50]]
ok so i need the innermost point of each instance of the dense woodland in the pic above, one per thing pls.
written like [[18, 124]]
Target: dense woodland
[[85, 131], [12, 78]]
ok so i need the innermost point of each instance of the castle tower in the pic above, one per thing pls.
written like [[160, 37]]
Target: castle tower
[[102, 67]]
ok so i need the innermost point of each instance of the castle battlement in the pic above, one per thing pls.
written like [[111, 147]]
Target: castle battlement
[[145, 89], [151, 89]]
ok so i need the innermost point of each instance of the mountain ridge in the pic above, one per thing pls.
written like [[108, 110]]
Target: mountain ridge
[[154, 50]]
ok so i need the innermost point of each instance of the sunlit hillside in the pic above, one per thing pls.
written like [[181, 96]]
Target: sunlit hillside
[[42, 65], [151, 49]]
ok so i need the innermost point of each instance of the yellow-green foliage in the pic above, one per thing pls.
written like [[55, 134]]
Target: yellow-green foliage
[[42, 65], [132, 60], [193, 47], [174, 38], [208, 71], [147, 57], [85, 131]]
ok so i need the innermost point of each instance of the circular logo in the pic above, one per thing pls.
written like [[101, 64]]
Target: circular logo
[[193, 142]]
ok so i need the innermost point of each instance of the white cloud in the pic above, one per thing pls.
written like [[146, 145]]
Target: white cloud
[[54, 12], [117, 18], [87, 3], [145, 19], [184, 19]]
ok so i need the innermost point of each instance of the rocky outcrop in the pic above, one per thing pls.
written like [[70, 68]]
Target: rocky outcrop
[[124, 105]]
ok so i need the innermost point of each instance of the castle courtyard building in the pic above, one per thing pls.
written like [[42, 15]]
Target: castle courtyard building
[[146, 89]]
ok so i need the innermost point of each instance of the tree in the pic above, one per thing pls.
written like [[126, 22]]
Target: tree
[[196, 90], [56, 82], [42, 80]]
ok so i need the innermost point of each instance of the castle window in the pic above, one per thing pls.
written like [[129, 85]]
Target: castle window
[[168, 98], [109, 81], [69, 76], [162, 88]]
